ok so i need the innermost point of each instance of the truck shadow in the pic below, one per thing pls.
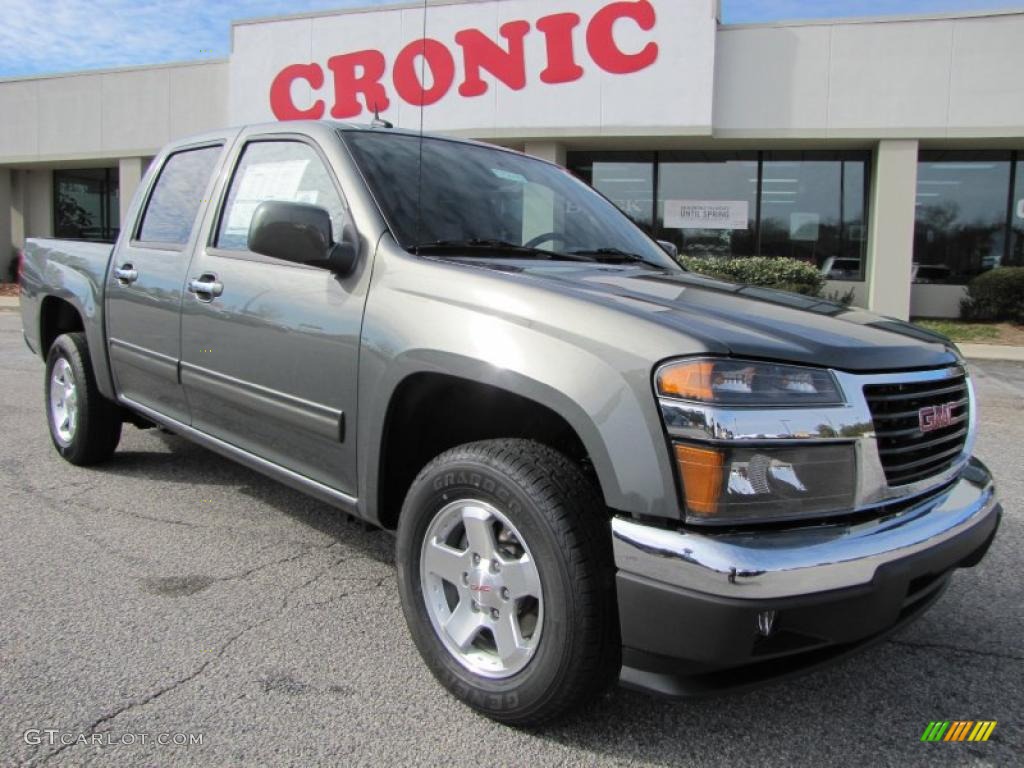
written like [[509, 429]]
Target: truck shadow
[[870, 709], [186, 463]]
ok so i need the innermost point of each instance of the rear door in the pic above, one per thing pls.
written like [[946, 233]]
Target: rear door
[[270, 348], [147, 278]]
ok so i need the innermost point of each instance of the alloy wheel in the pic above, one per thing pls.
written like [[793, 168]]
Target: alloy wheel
[[482, 589]]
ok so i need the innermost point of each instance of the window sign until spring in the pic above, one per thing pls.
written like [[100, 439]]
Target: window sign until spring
[[707, 214]]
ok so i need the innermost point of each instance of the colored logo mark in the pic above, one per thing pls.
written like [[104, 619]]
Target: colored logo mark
[[959, 730]]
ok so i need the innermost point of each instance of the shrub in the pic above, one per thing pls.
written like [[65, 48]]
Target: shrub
[[995, 295], [783, 274]]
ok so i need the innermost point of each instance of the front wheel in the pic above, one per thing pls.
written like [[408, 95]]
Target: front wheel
[[506, 578], [84, 425]]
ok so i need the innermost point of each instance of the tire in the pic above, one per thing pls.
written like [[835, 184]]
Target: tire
[[543, 513], [85, 427]]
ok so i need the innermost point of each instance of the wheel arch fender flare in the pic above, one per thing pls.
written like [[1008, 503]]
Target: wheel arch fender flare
[[631, 468]]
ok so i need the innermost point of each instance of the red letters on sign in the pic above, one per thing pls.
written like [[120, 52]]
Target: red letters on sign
[[439, 62], [480, 52], [281, 92], [358, 76], [371, 66], [562, 66], [601, 38]]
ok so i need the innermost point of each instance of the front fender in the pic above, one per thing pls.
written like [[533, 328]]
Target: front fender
[[602, 388]]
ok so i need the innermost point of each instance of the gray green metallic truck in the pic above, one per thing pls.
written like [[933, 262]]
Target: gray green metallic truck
[[598, 466]]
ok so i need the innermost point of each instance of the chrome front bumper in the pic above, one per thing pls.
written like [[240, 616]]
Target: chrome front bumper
[[773, 564]]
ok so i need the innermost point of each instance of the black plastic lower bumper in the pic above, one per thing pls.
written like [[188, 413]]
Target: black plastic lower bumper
[[678, 642]]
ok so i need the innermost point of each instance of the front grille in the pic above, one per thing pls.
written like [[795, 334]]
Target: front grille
[[909, 454]]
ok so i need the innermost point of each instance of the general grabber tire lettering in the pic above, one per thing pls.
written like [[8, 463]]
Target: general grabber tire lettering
[[507, 580], [85, 427]]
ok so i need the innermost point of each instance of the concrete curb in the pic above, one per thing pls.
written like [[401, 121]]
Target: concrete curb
[[11, 303], [992, 352]]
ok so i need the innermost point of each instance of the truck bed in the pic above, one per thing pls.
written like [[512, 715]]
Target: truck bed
[[70, 271]]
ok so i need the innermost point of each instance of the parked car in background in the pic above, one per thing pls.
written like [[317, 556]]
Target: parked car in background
[[844, 269], [931, 273]]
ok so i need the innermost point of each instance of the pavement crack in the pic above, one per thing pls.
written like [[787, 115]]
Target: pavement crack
[[956, 649], [138, 703], [165, 521], [282, 561]]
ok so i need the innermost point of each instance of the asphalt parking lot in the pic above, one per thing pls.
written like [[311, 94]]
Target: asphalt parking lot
[[173, 592]]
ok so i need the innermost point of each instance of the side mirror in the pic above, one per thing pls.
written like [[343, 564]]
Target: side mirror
[[669, 248], [301, 233]]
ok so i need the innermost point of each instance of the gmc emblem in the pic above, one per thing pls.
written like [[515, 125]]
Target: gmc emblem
[[935, 417]]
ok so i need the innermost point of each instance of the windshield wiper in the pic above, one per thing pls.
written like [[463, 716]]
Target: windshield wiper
[[617, 256], [499, 249]]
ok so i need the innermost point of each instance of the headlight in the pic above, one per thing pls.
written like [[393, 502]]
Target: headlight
[[739, 484], [745, 383]]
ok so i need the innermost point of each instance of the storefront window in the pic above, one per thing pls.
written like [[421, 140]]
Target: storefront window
[[625, 178], [1016, 256], [961, 227], [86, 204], [707, 202], [812, 209], [803, 205]]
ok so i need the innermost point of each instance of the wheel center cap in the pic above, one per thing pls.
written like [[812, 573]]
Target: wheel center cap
[[486, 587]]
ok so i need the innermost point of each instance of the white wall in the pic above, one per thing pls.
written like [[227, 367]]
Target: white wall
[[6, 217], [109, 114], [944, 77], [936, 300], [925, 300], [18, 183], [38, 203], [842, 287], [891, 227]]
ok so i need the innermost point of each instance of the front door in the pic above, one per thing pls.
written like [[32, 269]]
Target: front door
[[145, 284], [270, 348]]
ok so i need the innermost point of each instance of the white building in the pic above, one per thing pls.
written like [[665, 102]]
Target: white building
[[889, 152]]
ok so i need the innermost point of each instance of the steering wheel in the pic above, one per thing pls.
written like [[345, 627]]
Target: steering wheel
[[552, 236]]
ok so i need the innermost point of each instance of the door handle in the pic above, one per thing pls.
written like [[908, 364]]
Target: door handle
[[126, 274], [206, 288]]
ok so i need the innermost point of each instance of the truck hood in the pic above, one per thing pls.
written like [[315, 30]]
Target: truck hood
[[747, 321]]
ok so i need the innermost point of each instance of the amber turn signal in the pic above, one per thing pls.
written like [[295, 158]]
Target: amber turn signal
[[702, 472], [688, 381]]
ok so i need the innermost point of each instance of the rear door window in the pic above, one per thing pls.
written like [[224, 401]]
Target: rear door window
[[177, 196]]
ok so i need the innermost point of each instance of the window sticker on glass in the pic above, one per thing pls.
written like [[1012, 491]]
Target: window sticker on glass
[[267, 181], [241, 216], [509, 175], [261, 182]]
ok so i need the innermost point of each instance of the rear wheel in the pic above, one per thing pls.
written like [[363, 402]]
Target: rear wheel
[[85, 427], [504, 562]]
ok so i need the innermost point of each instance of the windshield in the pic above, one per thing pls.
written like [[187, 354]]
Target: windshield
[[492, 202]]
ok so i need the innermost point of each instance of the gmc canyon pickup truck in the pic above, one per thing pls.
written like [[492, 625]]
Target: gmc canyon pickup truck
[[598, 466]]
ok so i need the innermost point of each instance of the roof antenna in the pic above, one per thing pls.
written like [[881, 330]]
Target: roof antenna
[[378, 121], [419, 174]]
